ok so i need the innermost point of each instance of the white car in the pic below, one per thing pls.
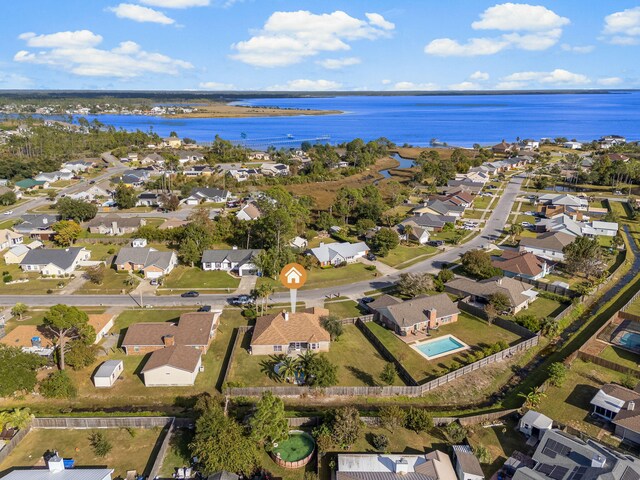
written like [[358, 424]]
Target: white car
[[8, 212], [526, 224]]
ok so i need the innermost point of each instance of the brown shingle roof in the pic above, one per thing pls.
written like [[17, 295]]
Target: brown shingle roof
[[193, 329], [21, 336], [523, 263], [548, 241], [177, 356], [383, 301], [300, 327], [485, 288], [407, 314]]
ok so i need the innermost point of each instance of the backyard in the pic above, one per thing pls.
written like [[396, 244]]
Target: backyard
[[474, 332], [545, 307], [500, 440], [177, 455], [76, 444], [359, 363]]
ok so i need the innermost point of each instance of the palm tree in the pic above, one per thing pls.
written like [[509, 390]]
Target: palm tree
[[305, 360], [263, 292], [19, 418], [408, 230], [289, 368], [533, 397]]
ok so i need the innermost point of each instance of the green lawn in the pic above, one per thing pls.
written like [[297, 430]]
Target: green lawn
[[525, 218], [114, 283], [402, 255], [329, 277], [621, 356], [100, 251], [36, 284], [474, 332], [545, 307], [471, 214], [36, 317], [75, 444], [482, 202], [178, 454], [358, 362], [501, 441], [344, 309], [194, 278], [570, 402], [634, 308]]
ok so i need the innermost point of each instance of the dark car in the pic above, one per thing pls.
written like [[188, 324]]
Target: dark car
[[92, 182], [371, 256], [190, 294], [205, 308], [366, 300], [436, 243]]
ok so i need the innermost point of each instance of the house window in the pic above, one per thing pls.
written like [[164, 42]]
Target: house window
[[315, 346], [277, 348]]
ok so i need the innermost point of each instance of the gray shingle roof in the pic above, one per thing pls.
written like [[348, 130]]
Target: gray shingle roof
[[60, 257], [234, 256], [145, 256], [410, 312], [32, 221]]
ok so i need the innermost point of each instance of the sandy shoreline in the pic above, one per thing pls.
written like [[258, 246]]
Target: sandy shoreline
[[237, 111]]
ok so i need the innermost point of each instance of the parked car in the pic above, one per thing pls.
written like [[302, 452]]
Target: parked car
[[8, 212], [191, 294], [371, 256], [617, 192], [526, 224], [436, 243], [366, 300], [241, 300], [205, 308], [92, 182]]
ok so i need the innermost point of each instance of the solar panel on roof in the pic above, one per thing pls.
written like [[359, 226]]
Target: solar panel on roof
[[553, 448], [630, 474], [578, 473], [558, 473], [544, 468]]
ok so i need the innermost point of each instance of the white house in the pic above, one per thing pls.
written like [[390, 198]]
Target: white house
[[299, 242], [153, 263], [91, 194], [534, 424], [548, 245], [9, 238], [466, 464], [572, 145], [435, 465], [235, 260], [337, 253], [108, 373], [55, 471], [200, 195], [600, 229], [274, 169], [176, 365], [55, 262], [249, 212]]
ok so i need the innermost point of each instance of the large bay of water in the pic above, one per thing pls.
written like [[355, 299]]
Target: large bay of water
[[456, 119]]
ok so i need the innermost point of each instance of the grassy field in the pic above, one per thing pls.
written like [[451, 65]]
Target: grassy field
[[36, 317], [114, 283], [329, 277], [621, 357], [345, 309], [634, 307], [570, 402], [194, 278], [474, 332], [358, 362], [545, 307], [402, 255], [76, 444], [482, 202], [177, 455]]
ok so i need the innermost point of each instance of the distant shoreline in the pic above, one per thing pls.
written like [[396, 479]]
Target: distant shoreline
[[222, 110]]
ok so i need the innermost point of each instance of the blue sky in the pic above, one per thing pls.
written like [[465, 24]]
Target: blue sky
[[319, 45]]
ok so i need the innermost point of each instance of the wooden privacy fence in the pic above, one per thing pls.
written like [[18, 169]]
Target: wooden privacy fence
[[100, 422], [240, 333], [157, 463], [409, 391], [13, 443], [607, 363]]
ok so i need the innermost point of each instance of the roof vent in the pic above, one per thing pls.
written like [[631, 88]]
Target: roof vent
[[598, 461], [401, 466], [286, 316], [631, 405], [55, 463]]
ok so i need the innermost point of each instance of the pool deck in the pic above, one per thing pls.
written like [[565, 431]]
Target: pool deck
[[443, 354]]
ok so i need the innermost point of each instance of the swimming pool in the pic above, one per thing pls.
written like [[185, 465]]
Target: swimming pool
[[630, 340], [439, 347]]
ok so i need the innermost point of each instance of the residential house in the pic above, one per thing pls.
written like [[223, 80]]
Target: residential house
[[521, 265], [56, 470], [249, 212], [422, 313], [471, 187], [77, 166], [503, 148], [621, 407], [547, 245], [534, 424], [560, 223], [565, 200], [438, 207], [572, 145], [597, 228], [243, 174], [429, 221], [135, 177], [115, 224], [435, 465], [51, 177], [618, 157], [37, 225], [16, 254], [480, 176], [189, 157], [9, 238], [286, 332], [198, 171], [560, 456], [613, 140], [466, 463], [236, 260], [149, 199], [173, 366], [529, 144], [478, 293], [101, 323], [460, 198], [153, 159], [409, 231], [202, 194], [171, 142], [337, 253], [55, 262], [107, 374], [91, 194], [274, 169], [195, 330], [261, 156], [31, 184], [153, 263]]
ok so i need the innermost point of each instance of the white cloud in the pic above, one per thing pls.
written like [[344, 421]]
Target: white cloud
[[609, 81], [289, 37], [482, 76], [411, 86], [446, 47], [519, 16], [623, 27], [76, 39], [305, 85], [217, 86], [138, 13], [176, 3], [338, 63], [577, 48], [558, 76], [465, 86], [69, 53], [529, 27], [14, 81]]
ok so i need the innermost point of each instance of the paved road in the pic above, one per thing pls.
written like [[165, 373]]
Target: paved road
[[492, 230]]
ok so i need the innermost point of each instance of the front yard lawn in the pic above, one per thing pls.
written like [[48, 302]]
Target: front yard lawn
[[471, 214], [345, 309], [114, 283], [194, 278], [76, 444], [402, 255], [482, 202], [37, 285], [525, 218], [473, 331], [359, 363], [329, 277]]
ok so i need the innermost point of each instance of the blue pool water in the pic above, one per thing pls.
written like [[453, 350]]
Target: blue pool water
[[440, 346], [630, 340]]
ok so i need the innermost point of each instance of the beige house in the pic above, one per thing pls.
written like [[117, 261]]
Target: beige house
[[115, 225], [174, 366], [287, 332], [151, 262], [9, 238]]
